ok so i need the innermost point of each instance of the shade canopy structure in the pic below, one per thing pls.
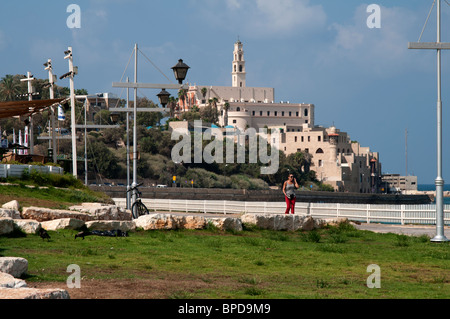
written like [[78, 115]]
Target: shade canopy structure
[[20, 108]]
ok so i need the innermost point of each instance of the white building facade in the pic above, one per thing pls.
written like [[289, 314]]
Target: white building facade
[[337, 160]]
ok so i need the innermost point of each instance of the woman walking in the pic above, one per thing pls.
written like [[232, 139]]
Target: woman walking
[[289, 187]]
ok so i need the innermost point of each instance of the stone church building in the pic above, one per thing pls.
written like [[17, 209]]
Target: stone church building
[[336, 159]]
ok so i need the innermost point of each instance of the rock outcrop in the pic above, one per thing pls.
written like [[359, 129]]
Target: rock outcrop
[[100, 211], [12, 287], [28, 226], [33, 293], [279, 221], [14, 266], [85, 213], [63, 223], [122, 225], [6, 225], [171, 222]]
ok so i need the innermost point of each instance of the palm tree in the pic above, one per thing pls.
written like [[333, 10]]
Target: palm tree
[[204, 91], [172, 105], [226, 107], [182, 95], [214, 103], [9, 88]]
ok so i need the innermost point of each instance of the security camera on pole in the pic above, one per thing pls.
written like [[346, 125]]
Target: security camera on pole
[[72, 72], [52, 80], [28, 79]]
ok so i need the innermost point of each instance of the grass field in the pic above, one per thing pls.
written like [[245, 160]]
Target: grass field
[[330, 263], [49, 196]]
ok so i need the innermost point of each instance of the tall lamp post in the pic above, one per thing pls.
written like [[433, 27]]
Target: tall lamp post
[[438, 46], [180, 71]]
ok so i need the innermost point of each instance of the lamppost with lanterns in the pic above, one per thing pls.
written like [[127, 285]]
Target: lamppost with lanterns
[[180, 71]]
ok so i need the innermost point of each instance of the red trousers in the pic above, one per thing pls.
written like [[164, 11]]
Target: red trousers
[[290, 203]]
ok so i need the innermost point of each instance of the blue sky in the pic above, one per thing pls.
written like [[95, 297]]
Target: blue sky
[[364, 81]]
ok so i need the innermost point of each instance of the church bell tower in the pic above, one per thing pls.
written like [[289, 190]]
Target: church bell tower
[[238, 74]]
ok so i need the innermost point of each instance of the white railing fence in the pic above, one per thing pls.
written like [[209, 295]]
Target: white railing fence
[[367, 213], [16, 170]]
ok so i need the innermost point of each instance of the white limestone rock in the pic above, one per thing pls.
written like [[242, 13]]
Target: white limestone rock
[[45, 214], [6, 225], [14, 205], [111, 225], [28, 226], [226, 223], [63, 223], [15, 266], [11, 213], [279, 221], [8, 281], [33, 293], [100, 211]]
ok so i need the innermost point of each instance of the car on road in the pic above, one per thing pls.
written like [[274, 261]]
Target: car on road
[[161, 186]]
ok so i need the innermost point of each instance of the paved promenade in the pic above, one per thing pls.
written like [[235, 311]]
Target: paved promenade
[[412, 230]]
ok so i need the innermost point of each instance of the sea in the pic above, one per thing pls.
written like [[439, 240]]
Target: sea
[[432, 187]]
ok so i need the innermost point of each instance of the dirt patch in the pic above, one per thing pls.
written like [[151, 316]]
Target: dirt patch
[[135, 288]]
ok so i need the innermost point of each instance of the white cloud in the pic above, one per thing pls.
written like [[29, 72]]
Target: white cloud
[[233, 4], [380, 51], [288, 15], [261, 18]]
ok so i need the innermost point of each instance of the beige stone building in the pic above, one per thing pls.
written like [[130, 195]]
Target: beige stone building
[[394, 183], [337, 160], [97, 102]]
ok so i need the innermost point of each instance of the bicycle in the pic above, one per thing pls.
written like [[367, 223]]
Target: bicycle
[[138, 208]]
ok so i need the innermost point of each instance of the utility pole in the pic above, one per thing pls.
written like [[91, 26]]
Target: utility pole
[[135, 151], [51, 80], [180, 71], [71, 74], [128, 147], [28, 79], [438, 46]]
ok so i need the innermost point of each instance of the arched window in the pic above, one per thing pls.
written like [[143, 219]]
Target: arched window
[[238, 109], [240, 68], [306, 112], [234, 68], [319, 151]]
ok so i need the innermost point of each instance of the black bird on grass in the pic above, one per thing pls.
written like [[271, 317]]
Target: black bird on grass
[[83, 234], [43, 234]]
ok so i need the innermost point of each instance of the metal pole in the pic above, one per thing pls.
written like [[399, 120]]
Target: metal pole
[[30, 132], [128, 148], [85, 145], [439, 180], [134, 127], [52, 109], [72, 115]]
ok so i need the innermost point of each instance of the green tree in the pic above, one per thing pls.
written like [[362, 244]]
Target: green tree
[[147, 118], [102, 159], [9, 88]]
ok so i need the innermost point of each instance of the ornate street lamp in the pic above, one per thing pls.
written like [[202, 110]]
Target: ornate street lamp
[[180, 70], [163, 97]]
